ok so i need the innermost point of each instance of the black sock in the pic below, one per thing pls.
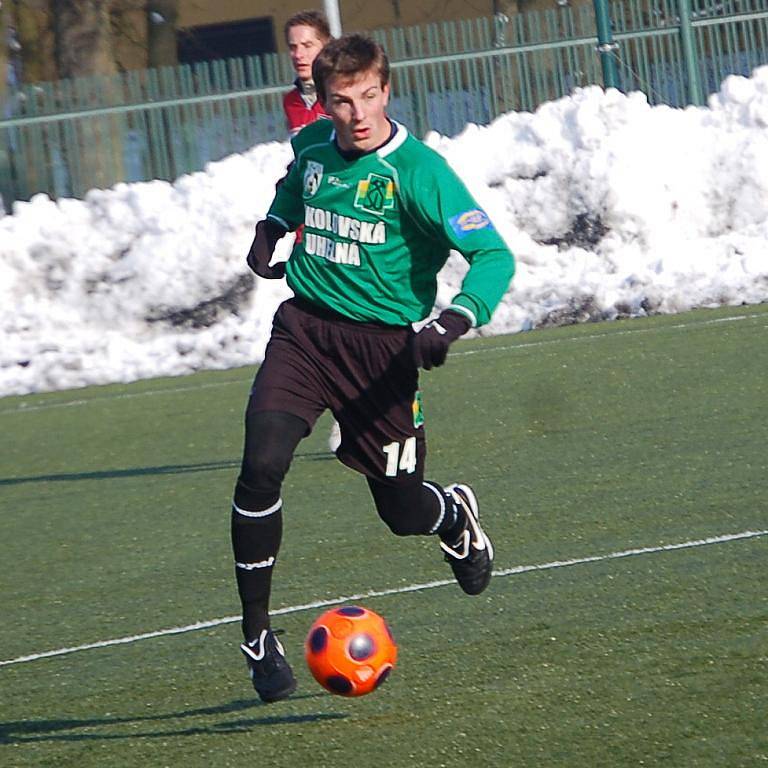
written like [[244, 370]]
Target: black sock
[[450, 520], [256, 537]]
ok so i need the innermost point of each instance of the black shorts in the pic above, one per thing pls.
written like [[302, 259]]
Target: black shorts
[[362, 372]]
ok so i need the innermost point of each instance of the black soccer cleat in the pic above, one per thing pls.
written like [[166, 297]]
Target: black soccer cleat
[[271, 674], [471, 557]]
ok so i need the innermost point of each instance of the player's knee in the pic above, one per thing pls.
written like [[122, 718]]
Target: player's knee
[[264, 471], [270, 439], [261, 478]]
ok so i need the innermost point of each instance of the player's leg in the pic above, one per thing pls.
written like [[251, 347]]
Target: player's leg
[[257, 521], [384, 438], [257, 524], [283, 406], [414, 507], [452, 513]]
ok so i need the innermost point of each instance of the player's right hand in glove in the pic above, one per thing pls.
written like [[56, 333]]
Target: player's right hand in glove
[[430, 344], [262, 248]]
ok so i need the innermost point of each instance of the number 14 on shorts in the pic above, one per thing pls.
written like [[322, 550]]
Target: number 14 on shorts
[[401, 458]]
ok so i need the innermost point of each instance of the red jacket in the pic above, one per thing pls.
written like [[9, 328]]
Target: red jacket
[[298, 113]]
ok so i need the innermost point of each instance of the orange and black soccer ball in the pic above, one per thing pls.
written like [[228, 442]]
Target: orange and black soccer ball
[[350, 650]]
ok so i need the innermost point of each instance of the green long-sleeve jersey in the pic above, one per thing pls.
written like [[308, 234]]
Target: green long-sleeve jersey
[[378, 229]]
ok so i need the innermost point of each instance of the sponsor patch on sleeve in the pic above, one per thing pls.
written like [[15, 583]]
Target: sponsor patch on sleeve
[[469, 221]]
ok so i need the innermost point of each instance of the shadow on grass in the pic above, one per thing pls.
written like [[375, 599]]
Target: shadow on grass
[[31, 731], [167, 469]]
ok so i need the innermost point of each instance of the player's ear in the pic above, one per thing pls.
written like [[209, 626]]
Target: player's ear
[[385, 91]]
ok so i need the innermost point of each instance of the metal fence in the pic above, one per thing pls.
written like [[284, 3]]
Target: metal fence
[[67, 137]]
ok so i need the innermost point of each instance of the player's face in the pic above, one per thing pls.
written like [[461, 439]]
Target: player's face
[[358, 110], [303, 45]]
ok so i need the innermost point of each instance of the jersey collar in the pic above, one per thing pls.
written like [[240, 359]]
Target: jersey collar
[[401, 134], [395, 142]]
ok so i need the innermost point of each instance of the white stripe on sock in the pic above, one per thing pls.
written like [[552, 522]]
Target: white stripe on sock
[[259, 513], [268, 563], [441, 499]]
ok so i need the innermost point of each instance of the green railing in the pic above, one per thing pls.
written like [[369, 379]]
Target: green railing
[[67, 137]]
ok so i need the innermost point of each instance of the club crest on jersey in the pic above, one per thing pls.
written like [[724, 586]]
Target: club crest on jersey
[[469, 221], [313, 175], [375, 194]]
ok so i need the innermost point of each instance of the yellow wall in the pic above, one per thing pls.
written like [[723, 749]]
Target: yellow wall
[[356, 15]]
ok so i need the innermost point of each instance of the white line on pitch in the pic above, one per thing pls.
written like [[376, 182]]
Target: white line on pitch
[[123, 396], [728, 537], [596, 336], [506, 348]]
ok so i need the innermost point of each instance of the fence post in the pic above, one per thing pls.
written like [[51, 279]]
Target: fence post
[[605, 44], [6, 191], [331, 8], [6, 182], [695, 95]]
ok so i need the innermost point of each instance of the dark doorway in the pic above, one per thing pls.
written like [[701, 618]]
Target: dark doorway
[[249, 37]]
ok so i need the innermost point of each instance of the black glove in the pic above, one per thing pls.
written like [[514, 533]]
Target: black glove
[[262, 248], [430, 344]]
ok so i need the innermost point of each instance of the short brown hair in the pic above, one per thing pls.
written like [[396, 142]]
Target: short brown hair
[[348, 56], [313, 19]]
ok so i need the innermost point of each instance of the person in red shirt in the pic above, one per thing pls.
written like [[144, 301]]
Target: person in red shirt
[[306, 33]]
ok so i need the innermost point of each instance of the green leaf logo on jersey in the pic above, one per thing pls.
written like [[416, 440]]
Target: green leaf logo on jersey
[[375, 194]]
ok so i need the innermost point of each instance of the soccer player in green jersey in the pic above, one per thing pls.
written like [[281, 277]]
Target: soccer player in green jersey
[[381, 212]]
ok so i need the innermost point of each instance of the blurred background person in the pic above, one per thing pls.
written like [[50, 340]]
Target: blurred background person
[[306, 32]]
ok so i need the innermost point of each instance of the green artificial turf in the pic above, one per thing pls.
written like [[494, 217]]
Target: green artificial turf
[[583, 443]]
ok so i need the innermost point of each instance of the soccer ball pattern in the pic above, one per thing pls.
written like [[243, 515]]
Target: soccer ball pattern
[[350, 650]]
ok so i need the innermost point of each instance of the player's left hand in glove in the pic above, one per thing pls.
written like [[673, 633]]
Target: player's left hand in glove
[[262, 248], [430, 344]]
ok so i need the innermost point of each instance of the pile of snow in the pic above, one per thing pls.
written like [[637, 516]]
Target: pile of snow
[[612, 208]]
